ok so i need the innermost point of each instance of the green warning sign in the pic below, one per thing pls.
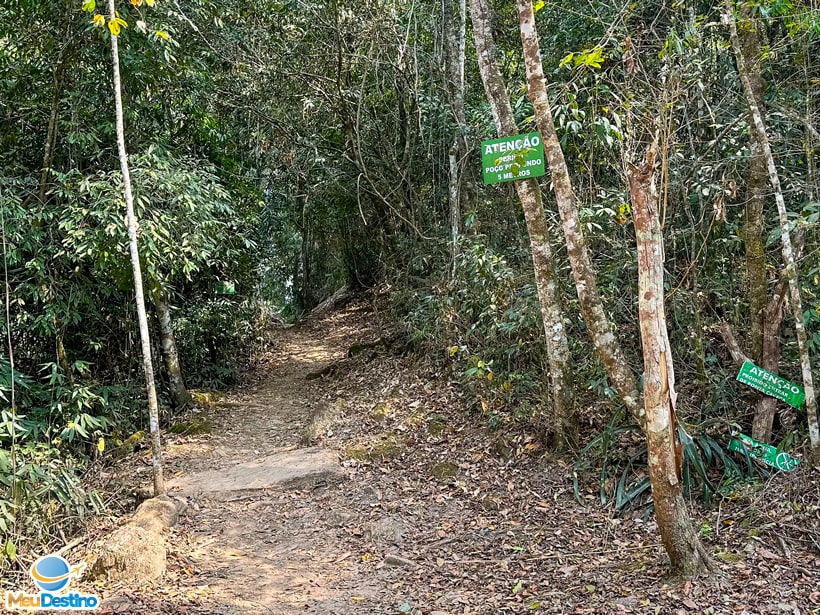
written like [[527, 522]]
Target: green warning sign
[[771, 384], [511, 158], [225, 287], [765, 452]]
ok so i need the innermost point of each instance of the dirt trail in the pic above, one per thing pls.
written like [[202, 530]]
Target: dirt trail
[[263, 551], [269, 552], [432, 513]]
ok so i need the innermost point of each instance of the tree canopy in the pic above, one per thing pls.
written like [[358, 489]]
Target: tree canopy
[[286, 149]]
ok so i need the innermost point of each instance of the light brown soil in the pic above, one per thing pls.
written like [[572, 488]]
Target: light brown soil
[[439, 515]]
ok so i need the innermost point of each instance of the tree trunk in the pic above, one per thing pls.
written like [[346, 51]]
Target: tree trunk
[[759, 128], [686, 553], [153, 408], [565, 425], [305, 286], [57, 84], [765, 316], [455, 34], [766, 407], [592, 309], [180, 397], [756, 187], [51, 134]]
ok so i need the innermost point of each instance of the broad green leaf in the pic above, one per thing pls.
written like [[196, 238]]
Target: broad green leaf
[[89, 6], [539, 4], [11, 550]]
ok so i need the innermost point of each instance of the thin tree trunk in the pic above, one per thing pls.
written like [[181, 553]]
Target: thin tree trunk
[[759, 127], [592, 309], [153, 408], [565, 425], [51, 133], [180, 397], [455, 34], [766, 407], [756, 188], [307, 299], [62, 355], [766, 315], [64, 58], [687, 555]]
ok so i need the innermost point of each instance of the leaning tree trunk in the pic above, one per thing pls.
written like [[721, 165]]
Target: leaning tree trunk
[[686, 553], [180, 397], [589, 299], [153, 408], [565, 424], [759, 127]]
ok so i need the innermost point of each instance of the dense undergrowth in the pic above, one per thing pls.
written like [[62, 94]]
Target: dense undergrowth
[[66, 428], [482, 327]]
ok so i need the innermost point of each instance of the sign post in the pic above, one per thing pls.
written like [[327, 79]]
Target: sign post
[[510, 158], [771, 384]]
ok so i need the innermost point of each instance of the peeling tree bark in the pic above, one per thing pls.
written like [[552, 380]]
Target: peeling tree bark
[[687, 555], [586, 284], [565, 426], [147, 364], [759, 127]]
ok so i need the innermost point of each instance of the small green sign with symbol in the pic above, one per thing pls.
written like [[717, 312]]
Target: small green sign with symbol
[[225, 287], [771, 384], [511, 158], [765, 452]]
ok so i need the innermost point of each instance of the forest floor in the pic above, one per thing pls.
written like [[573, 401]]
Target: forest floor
[[436, 514]]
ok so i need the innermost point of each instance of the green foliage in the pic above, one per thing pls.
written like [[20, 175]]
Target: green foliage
[[42, 486], [618, 457], [485, 322], [184, 212], [294, 148], [216, 338]]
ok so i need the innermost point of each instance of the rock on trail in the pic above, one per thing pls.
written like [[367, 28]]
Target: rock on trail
[[290, 469]]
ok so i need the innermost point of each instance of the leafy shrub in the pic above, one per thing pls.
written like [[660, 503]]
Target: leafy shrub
[[216, 339], [485, 323], [44, 447], [619, 458]]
